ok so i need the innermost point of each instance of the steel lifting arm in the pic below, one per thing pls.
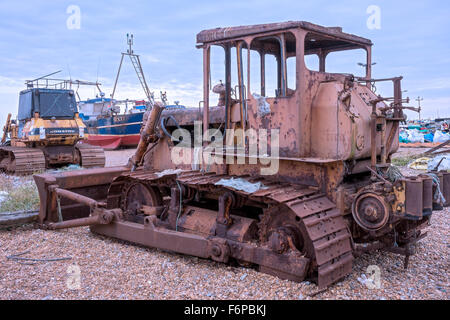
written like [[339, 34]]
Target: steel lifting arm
[[6, 128], [148, 134], [99, 214]]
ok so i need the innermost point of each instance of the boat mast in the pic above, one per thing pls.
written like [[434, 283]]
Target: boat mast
[[136, 62]]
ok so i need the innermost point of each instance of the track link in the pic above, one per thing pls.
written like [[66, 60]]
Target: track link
[[331, 239], [21, 160], [329, 243], [91, 156]]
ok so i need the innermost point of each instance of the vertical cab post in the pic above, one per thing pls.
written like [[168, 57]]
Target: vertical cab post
[[397, 111], [283, 65], [248, 76], [368, 64], [206, 71], [242, 98], [322, 60], [240, 80], [263, 72], [227, 48]]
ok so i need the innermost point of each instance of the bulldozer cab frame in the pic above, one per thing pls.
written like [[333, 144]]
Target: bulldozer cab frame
[[49, 103], [49, 106], [286, 42], [47, 132], [292, 107]]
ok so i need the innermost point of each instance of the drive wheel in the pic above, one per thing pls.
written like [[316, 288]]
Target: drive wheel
[[284, 233], [370, 211], [135, 195]]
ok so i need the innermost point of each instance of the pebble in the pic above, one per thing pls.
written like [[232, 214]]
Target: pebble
[[115, 269], [154, 274]]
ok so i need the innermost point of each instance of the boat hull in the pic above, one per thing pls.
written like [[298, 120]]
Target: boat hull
[[116, 131], [112, 142]]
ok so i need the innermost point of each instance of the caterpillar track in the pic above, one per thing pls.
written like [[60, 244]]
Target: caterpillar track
[[27, 161], [91, 156], [21, 161], [325, 238]]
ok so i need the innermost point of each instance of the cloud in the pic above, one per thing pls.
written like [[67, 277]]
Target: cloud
[[10, 86], [9, 93], [188, 93], [432, 83], [35, 42], [436, 107], [150, 58], [432, 108]]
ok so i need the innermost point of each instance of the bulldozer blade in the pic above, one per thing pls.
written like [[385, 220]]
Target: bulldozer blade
[[90, 183]]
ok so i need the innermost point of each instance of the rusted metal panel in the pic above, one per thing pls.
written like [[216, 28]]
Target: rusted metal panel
[[333, 271], [89, 182], [309, 206], [324, 194], [289, 194], [241, 31], [446, 187]]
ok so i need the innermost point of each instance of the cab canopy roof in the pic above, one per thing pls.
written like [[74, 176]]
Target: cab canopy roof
[[327, 37], [58, 103]]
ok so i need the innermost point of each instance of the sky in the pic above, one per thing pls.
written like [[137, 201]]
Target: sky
[[40, 37]]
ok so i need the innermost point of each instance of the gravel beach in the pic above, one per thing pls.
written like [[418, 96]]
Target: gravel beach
[[105, 268]]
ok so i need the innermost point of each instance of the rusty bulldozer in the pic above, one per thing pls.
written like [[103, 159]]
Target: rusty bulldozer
[[319, 191]]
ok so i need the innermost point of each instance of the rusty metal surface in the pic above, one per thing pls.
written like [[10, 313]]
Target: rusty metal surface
[[147, 134], [75, 197], [103, 217], [446, 187], [237, 32], [330, 198], [326, 241], [93, 183]]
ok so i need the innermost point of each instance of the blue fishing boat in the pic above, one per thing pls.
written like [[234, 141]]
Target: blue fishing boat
[[109, 128]]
